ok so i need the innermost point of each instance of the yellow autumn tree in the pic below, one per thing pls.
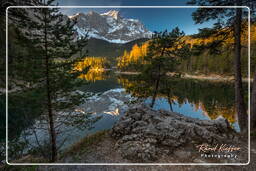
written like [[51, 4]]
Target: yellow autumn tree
[[135, 56]]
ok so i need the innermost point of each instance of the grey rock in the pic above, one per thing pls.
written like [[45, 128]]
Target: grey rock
[[182, 153], [144, 133], [139, 123], [138, 150]]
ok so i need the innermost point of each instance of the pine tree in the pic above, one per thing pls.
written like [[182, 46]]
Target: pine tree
[[231, 19], [164, 52], [14, 16], [51, 63]]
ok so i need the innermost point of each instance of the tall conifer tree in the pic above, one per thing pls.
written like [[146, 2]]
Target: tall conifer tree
[[164, 52], [231, 20], [49, 65]]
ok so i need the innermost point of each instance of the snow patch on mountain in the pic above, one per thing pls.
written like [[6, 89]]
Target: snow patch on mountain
[[109, 26]]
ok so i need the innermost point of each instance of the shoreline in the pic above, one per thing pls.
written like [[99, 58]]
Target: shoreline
[[127, 72], [211, 77], [214, 77]]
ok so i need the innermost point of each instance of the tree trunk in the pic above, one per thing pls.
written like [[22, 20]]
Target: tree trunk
[[170, 101], [155, 92], [158, 80], [253, 103], [239, 98], [49, 102], [156, 87]]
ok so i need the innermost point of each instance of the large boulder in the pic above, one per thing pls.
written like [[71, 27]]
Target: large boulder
[[143, 133]]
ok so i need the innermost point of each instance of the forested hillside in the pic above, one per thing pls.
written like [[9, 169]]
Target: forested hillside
[[204, 62], [102, 48]]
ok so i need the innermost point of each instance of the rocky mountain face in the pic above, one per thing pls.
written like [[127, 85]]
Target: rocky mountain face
[[109, 26]]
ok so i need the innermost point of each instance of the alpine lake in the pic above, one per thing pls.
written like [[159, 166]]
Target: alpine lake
[[110, 94]]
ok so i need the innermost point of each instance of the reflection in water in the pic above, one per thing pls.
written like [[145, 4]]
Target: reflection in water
[[111, 96], [212, 99], [95, 68], [94, 75], [113, 113]]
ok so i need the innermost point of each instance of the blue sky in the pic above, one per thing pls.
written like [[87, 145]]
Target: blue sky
[[155, 19]]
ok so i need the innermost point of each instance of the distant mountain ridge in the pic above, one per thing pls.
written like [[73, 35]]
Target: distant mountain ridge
[[109, 26]]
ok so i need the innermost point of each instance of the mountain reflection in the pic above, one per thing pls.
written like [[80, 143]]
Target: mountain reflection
[[214, 99], [113, 113]]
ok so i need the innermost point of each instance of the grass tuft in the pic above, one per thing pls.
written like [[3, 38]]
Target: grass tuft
[[84, 144]]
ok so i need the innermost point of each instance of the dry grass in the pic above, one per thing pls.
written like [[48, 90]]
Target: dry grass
[[84, 145]]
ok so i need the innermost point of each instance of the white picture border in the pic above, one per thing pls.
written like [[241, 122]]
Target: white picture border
[[142, 164]]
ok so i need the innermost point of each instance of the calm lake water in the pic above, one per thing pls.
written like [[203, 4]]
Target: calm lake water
[[190, 97], [111, 95]]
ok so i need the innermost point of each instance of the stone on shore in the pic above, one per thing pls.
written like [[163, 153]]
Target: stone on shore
[[143, 134]]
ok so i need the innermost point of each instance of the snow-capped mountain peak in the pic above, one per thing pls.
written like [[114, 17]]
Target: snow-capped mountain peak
[[109, 26], [76, 15], [112, 13]]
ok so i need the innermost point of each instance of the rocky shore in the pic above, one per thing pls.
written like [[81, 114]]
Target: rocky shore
[[143, 134]]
